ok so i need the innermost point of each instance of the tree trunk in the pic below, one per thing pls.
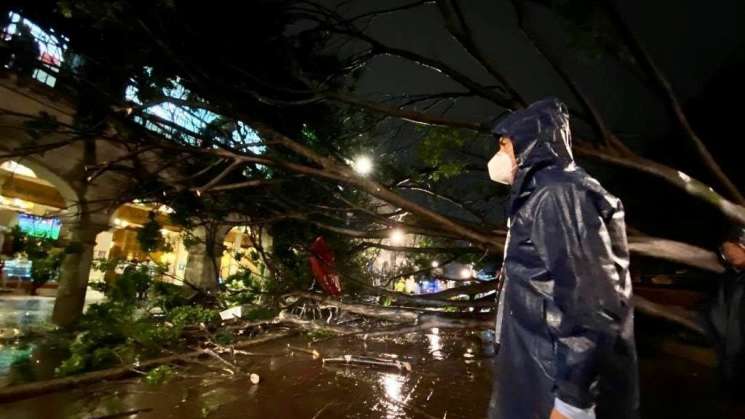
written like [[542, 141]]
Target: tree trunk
[[75, 270]]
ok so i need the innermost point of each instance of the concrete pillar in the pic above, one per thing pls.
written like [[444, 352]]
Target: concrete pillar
[[203, 265], [76, 267]]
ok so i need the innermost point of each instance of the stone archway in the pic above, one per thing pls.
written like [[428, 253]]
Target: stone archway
[[79, 229], [65, 188]]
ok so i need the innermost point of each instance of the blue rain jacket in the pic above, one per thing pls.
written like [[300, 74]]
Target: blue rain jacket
[[565, 322]]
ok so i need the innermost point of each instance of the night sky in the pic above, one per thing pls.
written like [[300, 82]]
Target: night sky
[[697, 44]]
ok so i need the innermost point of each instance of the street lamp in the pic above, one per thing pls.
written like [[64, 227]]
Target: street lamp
[[363, 165], [397, 237], [435, 264]]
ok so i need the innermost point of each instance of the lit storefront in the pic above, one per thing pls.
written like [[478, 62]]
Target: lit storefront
[[120, 242], [37, 207], [237, 256]]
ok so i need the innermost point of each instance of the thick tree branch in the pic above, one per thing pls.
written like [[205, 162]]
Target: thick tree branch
[[677, 178], [672, 101]]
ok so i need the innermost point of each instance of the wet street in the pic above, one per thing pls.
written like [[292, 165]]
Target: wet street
[[22, 311], [450, 378], [17, 315]]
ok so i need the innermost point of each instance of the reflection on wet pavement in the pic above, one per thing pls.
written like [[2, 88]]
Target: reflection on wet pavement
[[450, 378], [435, 346], [17, 314], [23, 312], [21, 361], [294, 385]]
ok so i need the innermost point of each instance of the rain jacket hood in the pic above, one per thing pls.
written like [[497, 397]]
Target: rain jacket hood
[[541, 137], [565, 322]]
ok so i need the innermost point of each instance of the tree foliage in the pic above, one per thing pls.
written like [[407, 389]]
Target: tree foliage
[[289, 71]]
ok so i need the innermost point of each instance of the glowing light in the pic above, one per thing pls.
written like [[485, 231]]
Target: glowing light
[[16, 203], [118, 222], [17, 168], [684, 176], [392, 385], [363, 165], [466, 273], [435, 264], [435, 345], [397, 237], [165, 209]]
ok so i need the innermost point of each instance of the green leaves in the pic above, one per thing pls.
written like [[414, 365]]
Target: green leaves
[[150, 237], [191, 315], [590, 29], [131, 285], [74, 364], [438, 149], [159, 375], [45, 254], [120, 330]]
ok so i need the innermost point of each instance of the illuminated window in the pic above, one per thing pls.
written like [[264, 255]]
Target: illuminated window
[[51, 47], [17, 169], [186, 123]]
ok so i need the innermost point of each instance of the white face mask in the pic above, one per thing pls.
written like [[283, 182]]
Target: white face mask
[[501, 168]]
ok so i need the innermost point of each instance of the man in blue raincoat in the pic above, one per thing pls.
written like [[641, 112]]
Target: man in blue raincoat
[[565, 320]]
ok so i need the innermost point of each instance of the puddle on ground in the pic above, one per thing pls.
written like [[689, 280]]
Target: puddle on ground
[[450, 378]]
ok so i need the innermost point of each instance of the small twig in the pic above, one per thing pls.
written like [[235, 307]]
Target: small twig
[[123, 414], [240, 352], [232, 367], [350, 359], [312, 352], [318, 413]]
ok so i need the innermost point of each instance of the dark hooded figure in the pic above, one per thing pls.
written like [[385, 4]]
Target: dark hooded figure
[[565, 320]]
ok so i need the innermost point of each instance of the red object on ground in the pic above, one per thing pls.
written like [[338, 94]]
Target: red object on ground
[[323, 265]]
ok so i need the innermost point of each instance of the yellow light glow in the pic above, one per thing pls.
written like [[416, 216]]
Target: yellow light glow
[[17, 169], [118, 222], [16, 203], [363, 165], [397, 237]]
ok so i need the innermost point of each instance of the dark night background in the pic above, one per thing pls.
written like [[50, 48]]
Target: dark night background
[[698, 45]]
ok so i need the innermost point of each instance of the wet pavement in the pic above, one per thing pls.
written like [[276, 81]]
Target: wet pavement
[[17, 315], [21, 312], [20, 315], [450, 378]]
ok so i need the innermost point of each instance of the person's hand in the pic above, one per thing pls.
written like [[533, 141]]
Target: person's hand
[[734, 253], [556, 415]]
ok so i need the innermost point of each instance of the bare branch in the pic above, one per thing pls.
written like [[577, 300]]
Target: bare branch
[[672, 101], [410, 116], [679, 179], [461, 31]]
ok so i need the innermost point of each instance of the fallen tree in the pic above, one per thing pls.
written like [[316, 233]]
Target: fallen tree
[[298, 167], [24, 391], [410, 319]]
